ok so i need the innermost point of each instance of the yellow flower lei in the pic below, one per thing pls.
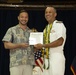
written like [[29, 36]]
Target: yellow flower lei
[[46, 40]]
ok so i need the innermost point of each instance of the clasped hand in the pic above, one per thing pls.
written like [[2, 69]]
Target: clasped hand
[[38, 46], [24, 45]]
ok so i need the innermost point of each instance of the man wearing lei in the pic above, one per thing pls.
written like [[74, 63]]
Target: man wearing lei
[[54, 37]]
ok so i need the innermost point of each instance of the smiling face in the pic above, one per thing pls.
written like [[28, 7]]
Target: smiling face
[[23, 18], [50, 14]]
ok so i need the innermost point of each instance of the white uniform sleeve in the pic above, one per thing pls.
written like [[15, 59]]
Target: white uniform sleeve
[[61, 31], [58, 31]]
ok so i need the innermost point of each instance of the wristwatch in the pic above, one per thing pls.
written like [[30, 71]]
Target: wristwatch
[[43, 48]]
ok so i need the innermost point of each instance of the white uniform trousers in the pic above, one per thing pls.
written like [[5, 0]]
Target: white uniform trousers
[[57, 65]]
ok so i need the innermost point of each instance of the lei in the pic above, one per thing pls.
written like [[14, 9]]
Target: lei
[[46, 40]]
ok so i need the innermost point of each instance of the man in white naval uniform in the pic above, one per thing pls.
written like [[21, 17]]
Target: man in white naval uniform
[[56, 46]]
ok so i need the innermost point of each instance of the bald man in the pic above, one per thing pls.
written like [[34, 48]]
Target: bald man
[[54, 37]]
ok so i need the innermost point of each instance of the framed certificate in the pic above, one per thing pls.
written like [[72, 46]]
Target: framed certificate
[[35, 38]]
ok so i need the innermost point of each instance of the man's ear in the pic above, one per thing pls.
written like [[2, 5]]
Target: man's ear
[[55, 14]]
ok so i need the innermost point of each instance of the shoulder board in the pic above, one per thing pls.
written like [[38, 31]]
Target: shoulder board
[[59, 22]]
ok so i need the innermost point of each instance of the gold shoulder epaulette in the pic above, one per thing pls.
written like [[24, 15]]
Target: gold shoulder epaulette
[[59, 22]]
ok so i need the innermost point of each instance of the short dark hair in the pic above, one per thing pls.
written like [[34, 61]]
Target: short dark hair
[[53, 8], [23, 10]]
